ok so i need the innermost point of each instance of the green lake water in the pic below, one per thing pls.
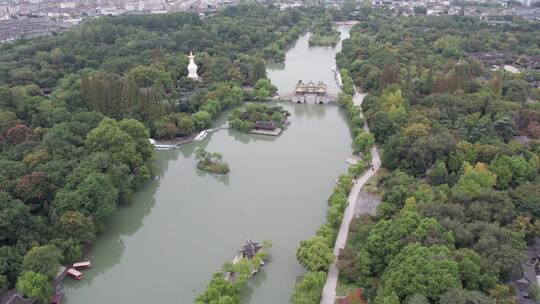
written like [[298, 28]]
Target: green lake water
[[182, 226]]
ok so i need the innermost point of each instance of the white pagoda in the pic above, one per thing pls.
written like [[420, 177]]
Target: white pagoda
[[192, 68]]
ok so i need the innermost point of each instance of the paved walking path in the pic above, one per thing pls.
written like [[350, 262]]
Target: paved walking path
[[329, 290]]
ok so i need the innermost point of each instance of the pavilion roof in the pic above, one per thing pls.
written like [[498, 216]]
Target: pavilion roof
[[250, 248]]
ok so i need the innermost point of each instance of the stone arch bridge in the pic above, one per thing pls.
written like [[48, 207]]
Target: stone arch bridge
[[308, 98], [309, 93]]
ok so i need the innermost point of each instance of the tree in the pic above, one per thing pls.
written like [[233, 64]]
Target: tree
[[471, 271], [164, 129], [461, 296], [43, 259], [110, 138], [148, 76], [505, 127], [503, 294], [7, 120], [57, 57], [363, 142], [211, 162], [474, 180], [417, 298], [309, 289], [4, 284], [76, 226], [185, 124], [527, 198], [35, 286], [382, 126], [34, 189], [512, 171], [419, 269], [264, 89], [139, 134], [346, 264], [516, 90], [95, 196], [315, 254], [10, 263], [390, 74], [18, 134], [202, 120], [257, 70], [438, 174], [388, 237], [392, 298], [15, 220]]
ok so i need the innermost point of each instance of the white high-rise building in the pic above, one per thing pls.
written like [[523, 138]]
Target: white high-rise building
[[192, 68]]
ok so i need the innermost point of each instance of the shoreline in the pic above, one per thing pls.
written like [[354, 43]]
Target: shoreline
[[328, 295]]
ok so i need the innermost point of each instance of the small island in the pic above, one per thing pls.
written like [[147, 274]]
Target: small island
[[211, 162], [227, 284], [259, 119]]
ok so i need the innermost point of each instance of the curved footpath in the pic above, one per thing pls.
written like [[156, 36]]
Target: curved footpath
[[329, 290]]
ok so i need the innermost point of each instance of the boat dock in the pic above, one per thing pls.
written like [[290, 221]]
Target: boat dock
[[161, 147], [171, 145], [274, 132]]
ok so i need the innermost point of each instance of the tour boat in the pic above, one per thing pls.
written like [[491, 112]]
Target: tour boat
[[77, 275], [82, 265]]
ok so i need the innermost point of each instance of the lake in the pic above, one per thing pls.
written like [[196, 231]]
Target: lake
[[182, 226]]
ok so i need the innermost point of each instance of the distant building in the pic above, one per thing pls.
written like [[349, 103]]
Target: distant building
[[533, 62], [530, 275], [14, 297], [489, 58]]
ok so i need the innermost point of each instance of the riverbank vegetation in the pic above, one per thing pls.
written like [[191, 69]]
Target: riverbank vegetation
[[263, 90], [227, 285], [211, 162], [461, 186], [77, 109], [245, 119], [316, 253], [323, 33], [136, 67], [362, 141]]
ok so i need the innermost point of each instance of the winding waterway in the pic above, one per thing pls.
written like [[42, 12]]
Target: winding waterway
[[185, 224]]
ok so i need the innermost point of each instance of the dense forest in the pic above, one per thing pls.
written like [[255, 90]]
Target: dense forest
[[459, 142], [77, 109], [323, 33]]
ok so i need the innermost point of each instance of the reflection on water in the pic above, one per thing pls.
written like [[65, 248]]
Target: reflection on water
[[109, 248], [259, 279], [224, 179], [310, 111], [249, 138], [277, 66], [183, 225]]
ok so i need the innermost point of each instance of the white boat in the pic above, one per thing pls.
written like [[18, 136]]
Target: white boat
[[201, 135], [164, 147], [160, 147]]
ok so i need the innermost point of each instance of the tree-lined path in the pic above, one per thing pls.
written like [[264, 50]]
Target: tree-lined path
[[329, 290]]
